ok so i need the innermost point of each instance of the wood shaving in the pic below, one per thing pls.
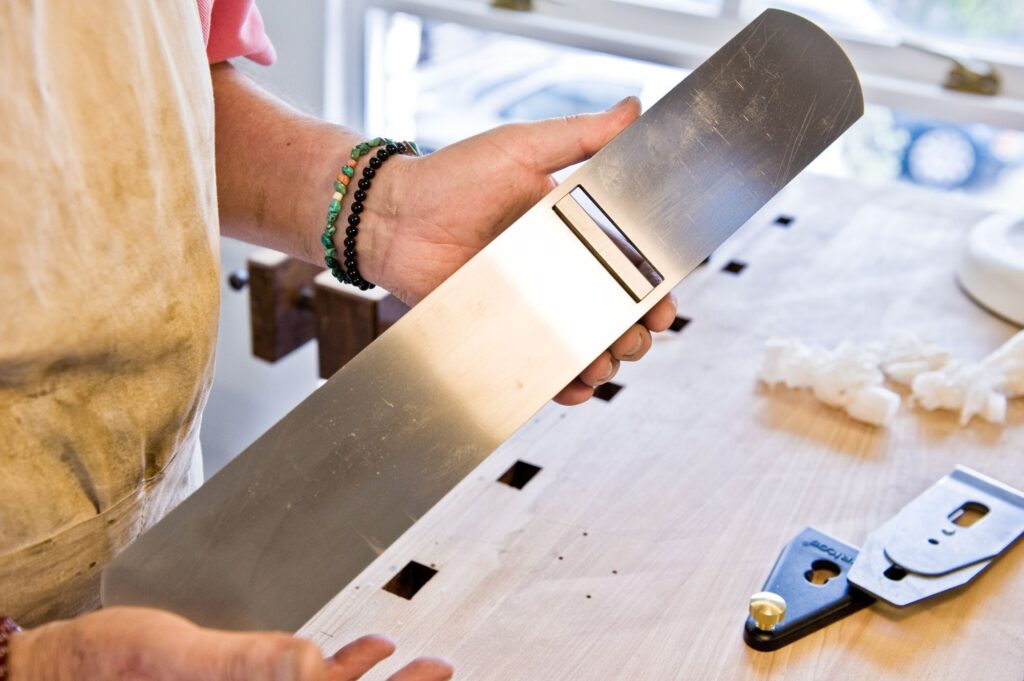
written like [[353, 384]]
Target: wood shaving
[[851, 377]]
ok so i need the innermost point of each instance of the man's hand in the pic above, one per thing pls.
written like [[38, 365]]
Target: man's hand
[[425, 217], [133, 644], [430, 215]]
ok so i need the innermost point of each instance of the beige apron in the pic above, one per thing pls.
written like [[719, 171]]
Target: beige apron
[[108, 285]]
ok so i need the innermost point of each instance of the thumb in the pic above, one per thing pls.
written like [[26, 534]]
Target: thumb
[[261, 657], [561, 142]]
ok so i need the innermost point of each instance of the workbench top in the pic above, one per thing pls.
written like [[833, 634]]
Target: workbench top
[[656, 514]]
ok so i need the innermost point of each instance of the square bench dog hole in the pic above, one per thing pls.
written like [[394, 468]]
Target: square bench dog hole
[[519, 474], [607, 391], [410, 580], [734, 266], [678, 324]]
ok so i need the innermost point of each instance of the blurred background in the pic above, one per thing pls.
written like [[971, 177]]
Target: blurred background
[[944, 81]]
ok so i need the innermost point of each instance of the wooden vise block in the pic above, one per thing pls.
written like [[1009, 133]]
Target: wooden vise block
[[347, 319], [291, 302], [280, 303]]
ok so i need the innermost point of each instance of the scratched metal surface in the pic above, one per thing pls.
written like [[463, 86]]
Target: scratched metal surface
[[280, 530], [725, 140]]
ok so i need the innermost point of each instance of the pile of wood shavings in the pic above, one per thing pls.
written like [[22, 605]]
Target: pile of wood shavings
[[851, 377]]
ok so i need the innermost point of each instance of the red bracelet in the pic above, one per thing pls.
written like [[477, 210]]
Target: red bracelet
[[7, 629]]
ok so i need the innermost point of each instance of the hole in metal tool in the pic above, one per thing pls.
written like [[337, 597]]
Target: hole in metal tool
[[821, 571], [784, 220], [968, 514], [606, 392], [933, 542], [894, 572], [608, 243], [734, 266], [679, 323], [620, 240], [410, 580], [519, 474]]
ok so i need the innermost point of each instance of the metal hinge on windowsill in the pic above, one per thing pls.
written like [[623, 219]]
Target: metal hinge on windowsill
[[517, 5], [973, 76]]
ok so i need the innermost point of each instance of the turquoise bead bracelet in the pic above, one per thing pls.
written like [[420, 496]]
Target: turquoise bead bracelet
[[346, 269]]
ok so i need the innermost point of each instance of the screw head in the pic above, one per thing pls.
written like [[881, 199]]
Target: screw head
[[767, 609]]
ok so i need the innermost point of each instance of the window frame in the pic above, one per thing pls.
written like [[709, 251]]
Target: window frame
[[892, 74]]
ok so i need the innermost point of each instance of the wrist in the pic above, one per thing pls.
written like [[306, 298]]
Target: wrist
[[381, 219], [32, 655]]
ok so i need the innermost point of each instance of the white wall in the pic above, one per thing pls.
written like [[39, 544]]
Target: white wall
[[250, 395]]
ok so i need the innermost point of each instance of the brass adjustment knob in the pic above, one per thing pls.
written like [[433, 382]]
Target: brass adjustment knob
[[768, 609]]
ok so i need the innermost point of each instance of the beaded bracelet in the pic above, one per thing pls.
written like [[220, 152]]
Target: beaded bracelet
[[347, 272], [7, 629]]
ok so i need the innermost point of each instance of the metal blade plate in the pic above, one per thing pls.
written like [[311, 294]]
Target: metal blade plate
[[280, 530], [928, 542], [922, 551], [875, 574]]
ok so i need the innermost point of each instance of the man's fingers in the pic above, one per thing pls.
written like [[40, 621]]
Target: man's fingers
[[661, 316], [633, 344], [561, 142], [359, 657], [601, 370], [424, 669], [575, 393]]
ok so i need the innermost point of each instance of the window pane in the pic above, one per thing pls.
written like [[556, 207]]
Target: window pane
[[979, 161], [985, 23], [444, 82], [460, 81], [970, 21], [708, 7], [859, 17]]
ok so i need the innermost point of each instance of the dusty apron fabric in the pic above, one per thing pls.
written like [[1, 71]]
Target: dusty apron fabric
[[108, 285]]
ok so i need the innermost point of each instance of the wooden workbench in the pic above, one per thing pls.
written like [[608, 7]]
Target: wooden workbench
[[632, 553]]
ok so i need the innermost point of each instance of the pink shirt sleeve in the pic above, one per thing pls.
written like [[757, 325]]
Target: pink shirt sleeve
[[234, 28]]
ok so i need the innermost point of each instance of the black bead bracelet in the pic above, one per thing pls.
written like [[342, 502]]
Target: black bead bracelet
[[346, 269]]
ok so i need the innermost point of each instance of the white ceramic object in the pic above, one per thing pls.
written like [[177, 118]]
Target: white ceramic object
[[992, 269]]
